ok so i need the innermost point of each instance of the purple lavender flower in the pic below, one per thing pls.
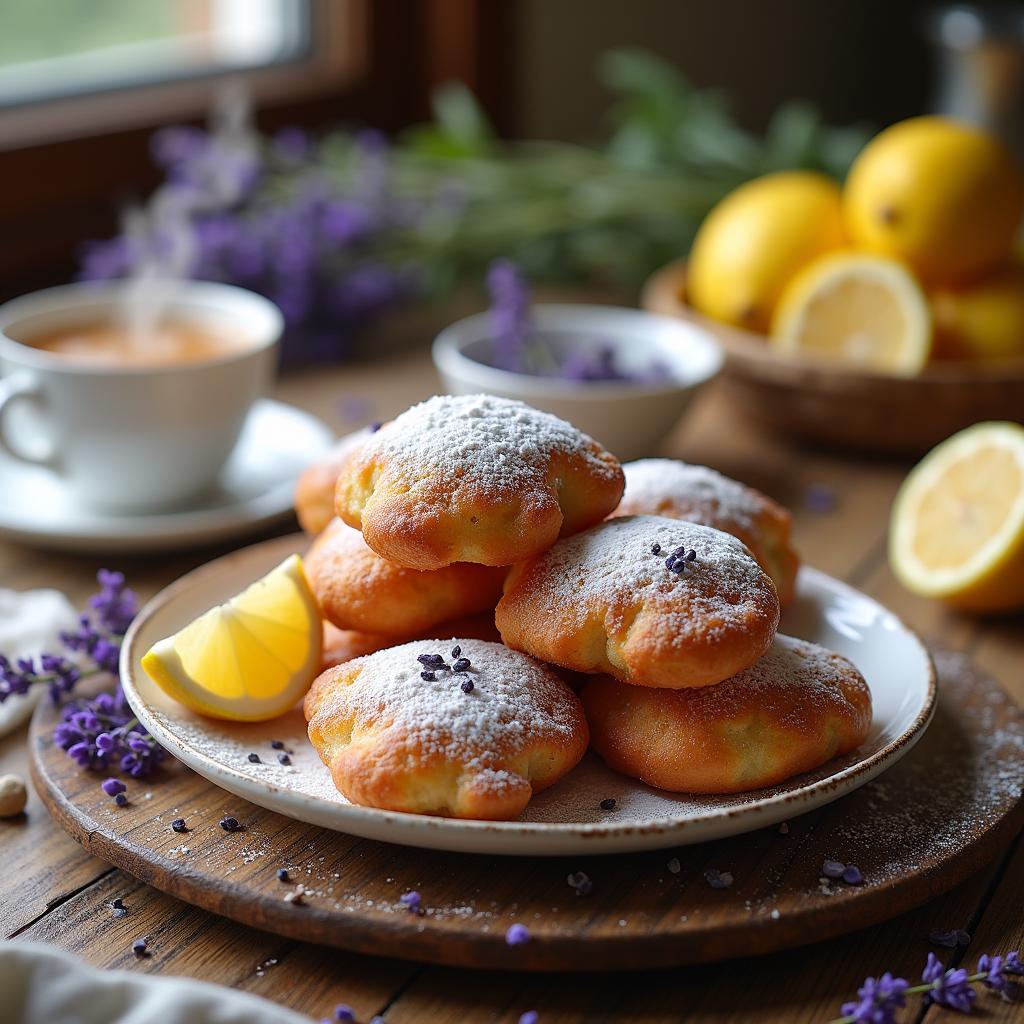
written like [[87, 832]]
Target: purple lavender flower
[[103, 731], [112, 786], [1012, 963], [718, 879], [530, 1017], [411, 900], [510, 315], [517, 935], [833, 869], [292, 145], [115, 604], [992, 968], [951, 939], [878, 1000], [948, 988], [58, 673]]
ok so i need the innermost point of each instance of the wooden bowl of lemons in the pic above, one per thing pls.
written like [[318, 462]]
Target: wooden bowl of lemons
[[882, 316]]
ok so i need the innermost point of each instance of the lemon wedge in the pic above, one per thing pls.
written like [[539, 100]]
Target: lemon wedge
[[249, 659], [957, 530], [865, 311]]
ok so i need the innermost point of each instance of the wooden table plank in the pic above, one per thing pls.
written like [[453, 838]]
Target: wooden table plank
[[999, 930], [806, 985], [43, 866], [185, 941]]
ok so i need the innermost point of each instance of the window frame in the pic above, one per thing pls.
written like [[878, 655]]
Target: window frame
[[334, 60], [55, 195]]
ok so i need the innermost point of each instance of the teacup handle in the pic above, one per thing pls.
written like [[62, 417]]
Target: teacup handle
[[21, 387]]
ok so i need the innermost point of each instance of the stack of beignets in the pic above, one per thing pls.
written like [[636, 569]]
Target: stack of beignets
[[663, 609]]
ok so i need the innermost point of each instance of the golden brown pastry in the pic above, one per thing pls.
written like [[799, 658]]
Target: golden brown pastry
[[314, 492], [357, 589], [475, 739], [667, 487], [474, 478], [341, 645], [795, 709], [652, 601]]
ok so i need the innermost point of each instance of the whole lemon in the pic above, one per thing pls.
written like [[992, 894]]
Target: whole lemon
[[943, 197], [753, 242], [981, 321]]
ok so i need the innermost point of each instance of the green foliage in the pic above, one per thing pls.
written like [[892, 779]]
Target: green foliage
[[566, 212]]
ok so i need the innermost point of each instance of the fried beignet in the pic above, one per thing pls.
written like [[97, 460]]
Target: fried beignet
[[314, 492], [795, 709], [341, 645], [652, 601], [357, 589], [667, 487], [474, 478], [407, 735]]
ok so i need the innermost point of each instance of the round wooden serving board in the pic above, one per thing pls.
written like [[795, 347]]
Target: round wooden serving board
[[951, 805]]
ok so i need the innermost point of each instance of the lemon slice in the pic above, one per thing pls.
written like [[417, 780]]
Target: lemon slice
[[865, 311], [249, 659], [957, 530]]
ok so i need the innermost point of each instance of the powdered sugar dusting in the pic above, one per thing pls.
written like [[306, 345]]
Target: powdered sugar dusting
[[623, 562], [515, 700], [492, 443], [656, 485], [794, 676]]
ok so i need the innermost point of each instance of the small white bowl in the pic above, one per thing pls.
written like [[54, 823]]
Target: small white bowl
[[628, 417]]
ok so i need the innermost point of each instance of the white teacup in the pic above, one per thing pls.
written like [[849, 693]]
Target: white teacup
[[132, 438]]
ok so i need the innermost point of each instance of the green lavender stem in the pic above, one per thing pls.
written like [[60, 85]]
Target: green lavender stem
[[913, 991]]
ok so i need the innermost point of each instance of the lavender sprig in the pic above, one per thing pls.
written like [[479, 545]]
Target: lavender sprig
[[516, 346], [879, 999], [98, 638], [100, 733]]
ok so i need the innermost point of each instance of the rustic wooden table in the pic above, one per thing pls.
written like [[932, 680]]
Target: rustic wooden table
[[51, 890]]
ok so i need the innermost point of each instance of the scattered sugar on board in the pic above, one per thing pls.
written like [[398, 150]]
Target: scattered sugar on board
[[483, 441], [923, 806]]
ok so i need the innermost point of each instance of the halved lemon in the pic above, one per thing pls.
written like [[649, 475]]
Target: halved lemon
[[249, 659], [866, 311], [957, 530]]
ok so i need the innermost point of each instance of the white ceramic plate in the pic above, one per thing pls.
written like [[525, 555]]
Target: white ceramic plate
[[255, 490], [566, 819]]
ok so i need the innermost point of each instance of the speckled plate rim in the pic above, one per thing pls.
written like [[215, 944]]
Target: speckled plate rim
[[515, 838]]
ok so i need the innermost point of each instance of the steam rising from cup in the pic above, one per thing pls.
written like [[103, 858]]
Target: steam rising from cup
[[162, 232]]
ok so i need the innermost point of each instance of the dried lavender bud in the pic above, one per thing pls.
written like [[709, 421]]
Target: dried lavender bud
[[833, 869], [655, 549], [608, 804], [461, 665], [277, 744], [254, 758], [230, 824], [467, 686], [179, 825], [284, 759], [428, 676], [120, 799], [456, 651], [282, 875]]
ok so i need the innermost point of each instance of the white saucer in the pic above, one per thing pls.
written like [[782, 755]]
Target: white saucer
[[568, 818], [255, 490]]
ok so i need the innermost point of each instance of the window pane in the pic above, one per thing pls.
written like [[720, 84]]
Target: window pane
[[53, 48]]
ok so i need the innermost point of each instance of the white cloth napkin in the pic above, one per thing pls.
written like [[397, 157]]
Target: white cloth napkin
[[41, 985], [31, 622]]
